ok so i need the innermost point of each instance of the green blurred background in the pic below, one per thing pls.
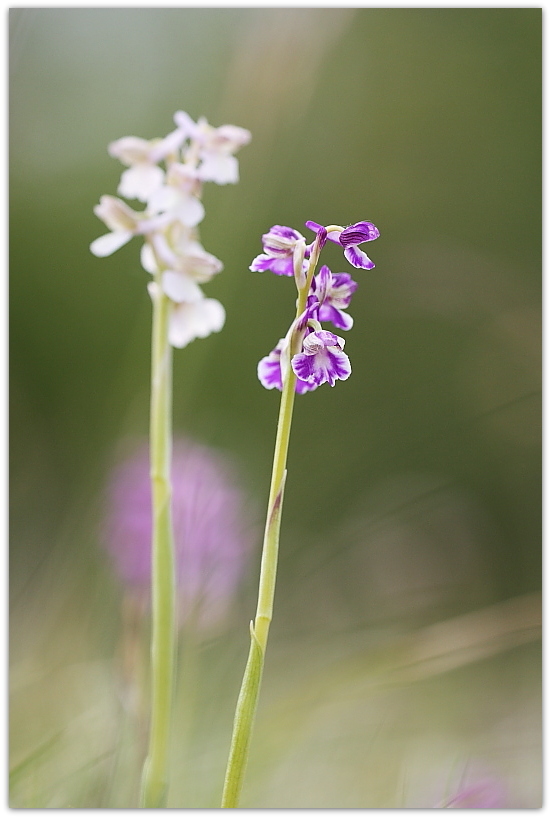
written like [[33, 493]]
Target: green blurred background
[[404, 656]]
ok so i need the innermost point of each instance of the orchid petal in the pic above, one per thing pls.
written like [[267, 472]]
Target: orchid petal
[[269, 369], [338, 366], [130, 150], [147, 258], [213, 317], [116, 214], [190, 211], [153, 289], [340, 319], [177, 205], [303, 367], [219, 168], [279, 266], [280, 240], [260, 263], [269, 372], [196, 320], [183, 177], [358, 233], [163, 251], [323, 281], [301, 387], [109, 243], [358, 258], [170, 144], [156, 222], [185, 123], [327, 366], [164, 198], [342, 289], [199, 264], [180, 287], [230, 138], [140, 181]]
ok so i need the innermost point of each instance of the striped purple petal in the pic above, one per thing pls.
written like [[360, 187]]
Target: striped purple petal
[[279, 246], [301, 387], [269, 372], [322, 283], [269, 369], [342, 289], [358, 258], [334, 293], [280, 240], [279, 266], [338, 318], [327, 366], [323, 359], [283, 232], [358, 233]]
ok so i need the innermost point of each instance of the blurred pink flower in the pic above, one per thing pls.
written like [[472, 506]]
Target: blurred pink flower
[[485, 794], [212, 529]]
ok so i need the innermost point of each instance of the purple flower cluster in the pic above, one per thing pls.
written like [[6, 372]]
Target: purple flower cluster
[[321, 358], [212, 533], [280, 242]]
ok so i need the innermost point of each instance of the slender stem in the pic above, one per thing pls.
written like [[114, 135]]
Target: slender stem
[[155, 772], [270, 548], [250, 687]]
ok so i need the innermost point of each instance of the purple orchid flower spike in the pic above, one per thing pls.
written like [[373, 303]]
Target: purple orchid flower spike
[[279, 247], [322, 359], [305, 358], [349, 238], [322, 297]]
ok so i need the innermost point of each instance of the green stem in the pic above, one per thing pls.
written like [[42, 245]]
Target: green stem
[[250, 687], [155, 771]]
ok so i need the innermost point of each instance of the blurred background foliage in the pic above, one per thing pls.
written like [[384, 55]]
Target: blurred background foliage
[[414, 492]]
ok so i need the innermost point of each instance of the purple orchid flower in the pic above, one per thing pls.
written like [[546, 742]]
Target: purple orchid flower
[[269, 372], [350, 238], [279, 246], [333, 292], [322, 359]]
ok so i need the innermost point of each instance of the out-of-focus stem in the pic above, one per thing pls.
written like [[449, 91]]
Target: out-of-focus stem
[[163, 641]]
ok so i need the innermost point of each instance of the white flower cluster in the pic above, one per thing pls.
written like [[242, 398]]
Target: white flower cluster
[[167, 175]]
